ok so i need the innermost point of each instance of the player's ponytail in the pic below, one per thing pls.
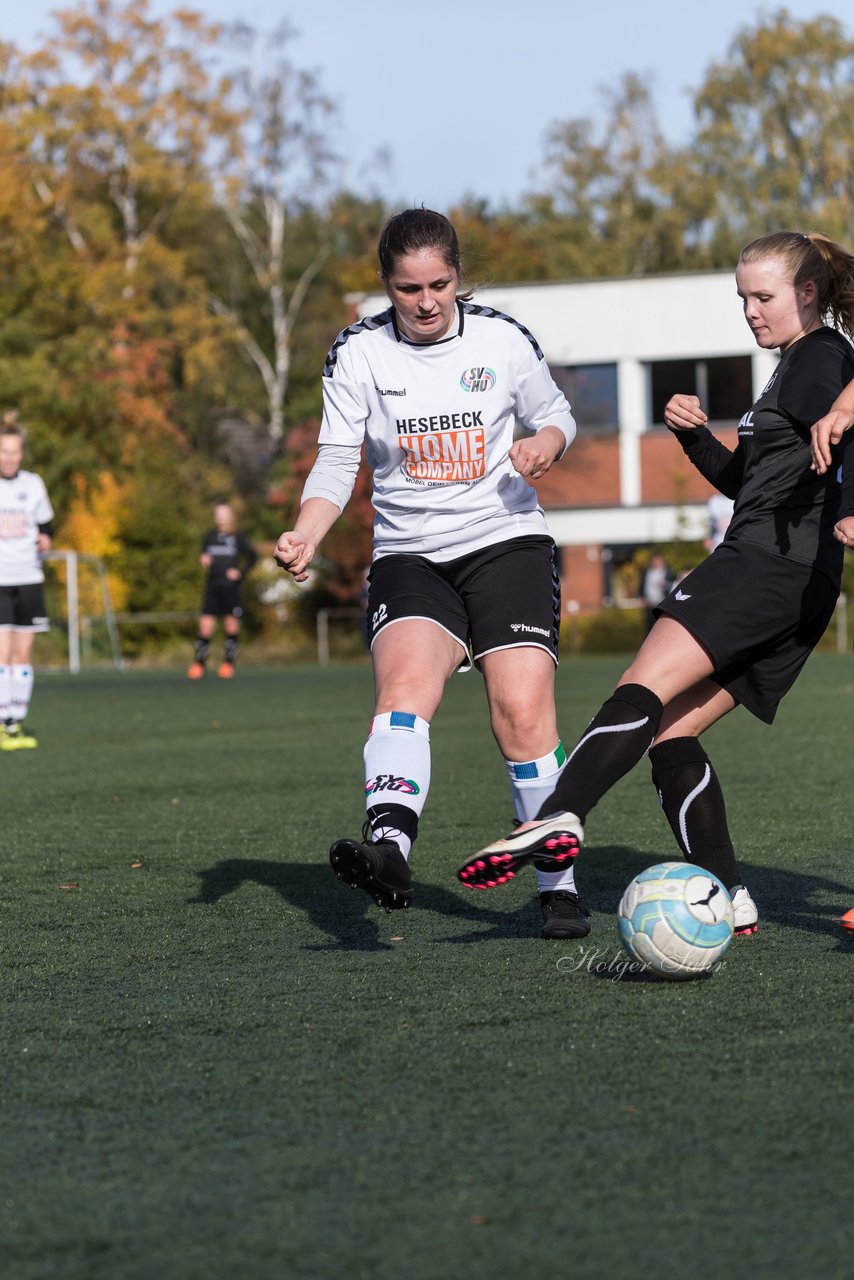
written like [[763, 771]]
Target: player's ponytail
[[838, 302]]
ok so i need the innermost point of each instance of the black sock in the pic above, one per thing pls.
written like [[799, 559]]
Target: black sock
[[231, 647], [389, 820], [203, 648], [693, 803], [617, 737]]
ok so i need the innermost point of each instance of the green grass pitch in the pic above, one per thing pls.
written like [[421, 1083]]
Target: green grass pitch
[[221, 1063]]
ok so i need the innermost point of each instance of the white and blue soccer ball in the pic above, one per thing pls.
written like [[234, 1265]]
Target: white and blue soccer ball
[[676, 919]]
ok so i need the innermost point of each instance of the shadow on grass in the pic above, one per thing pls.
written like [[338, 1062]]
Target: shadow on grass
[[349, 915], [784, 898]]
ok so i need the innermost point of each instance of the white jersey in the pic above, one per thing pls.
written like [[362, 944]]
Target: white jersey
[[438, 422], [24, 505]]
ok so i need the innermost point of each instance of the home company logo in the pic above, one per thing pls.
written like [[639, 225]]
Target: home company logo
[[480, 378], [453, 457]]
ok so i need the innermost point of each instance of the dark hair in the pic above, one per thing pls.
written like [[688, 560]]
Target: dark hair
[[10, 426], [416, 229], [813, 257]]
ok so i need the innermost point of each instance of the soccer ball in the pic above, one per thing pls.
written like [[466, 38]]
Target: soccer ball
[[676, 919]]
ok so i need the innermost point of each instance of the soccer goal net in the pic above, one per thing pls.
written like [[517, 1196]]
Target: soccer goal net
[[83, 631]]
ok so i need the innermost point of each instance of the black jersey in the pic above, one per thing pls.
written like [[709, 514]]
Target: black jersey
[[781, 504], [227, 551]]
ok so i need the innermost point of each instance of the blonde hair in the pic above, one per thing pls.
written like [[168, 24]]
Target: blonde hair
[[813, 257]]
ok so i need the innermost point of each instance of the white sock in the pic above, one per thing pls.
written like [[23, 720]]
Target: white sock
[[532, 783], [5, 691], [20, 690], [397, 776]]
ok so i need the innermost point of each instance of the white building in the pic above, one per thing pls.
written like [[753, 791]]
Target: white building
[[620, 348]]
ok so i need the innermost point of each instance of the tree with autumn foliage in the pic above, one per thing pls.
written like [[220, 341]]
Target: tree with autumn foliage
[[176, 251], [110, 128], [282, 170], [775, 139]]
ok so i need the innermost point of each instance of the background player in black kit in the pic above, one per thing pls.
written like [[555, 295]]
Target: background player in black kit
[[228, 555], [738, 628]]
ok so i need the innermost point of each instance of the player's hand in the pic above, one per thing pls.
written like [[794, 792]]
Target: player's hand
[[233, 575], [205, 560], [828, 431], [44, 542], [684, 413], [294, 553], [843, 531], [534, 455]]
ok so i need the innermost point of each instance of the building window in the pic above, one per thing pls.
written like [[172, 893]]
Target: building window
[[724, 385], [591, 390]]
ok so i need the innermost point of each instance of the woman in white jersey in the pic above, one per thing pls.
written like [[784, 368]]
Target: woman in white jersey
[[463, 568], [25, 534]]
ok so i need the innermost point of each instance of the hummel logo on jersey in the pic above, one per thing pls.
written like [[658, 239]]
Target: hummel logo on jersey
[[387, 391], [480, 378], [679, 594]]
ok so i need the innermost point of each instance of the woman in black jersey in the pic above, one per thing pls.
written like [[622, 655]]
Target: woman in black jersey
[[738, 628]]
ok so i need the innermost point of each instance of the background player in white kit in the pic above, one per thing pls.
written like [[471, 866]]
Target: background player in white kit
[[25, 534], [463, 568]]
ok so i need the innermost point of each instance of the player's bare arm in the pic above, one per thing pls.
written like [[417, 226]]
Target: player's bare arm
[[296, 548], [830, 429], [684, 413], [534, 455]]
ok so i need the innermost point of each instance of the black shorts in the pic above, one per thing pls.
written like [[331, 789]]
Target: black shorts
[[500, 597], [757, 615], [22, 608], [222, 599]]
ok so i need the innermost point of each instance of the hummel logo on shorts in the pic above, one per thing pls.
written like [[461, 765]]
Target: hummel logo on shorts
[[680, 595]]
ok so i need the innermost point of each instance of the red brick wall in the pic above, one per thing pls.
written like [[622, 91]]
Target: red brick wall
[[581, 578], [589, 475], [667, 475]]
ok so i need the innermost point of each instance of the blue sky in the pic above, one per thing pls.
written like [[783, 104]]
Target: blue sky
[[460, 93]]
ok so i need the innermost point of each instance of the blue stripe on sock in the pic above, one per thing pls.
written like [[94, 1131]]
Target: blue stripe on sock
[[401, 720], [528, 770]]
